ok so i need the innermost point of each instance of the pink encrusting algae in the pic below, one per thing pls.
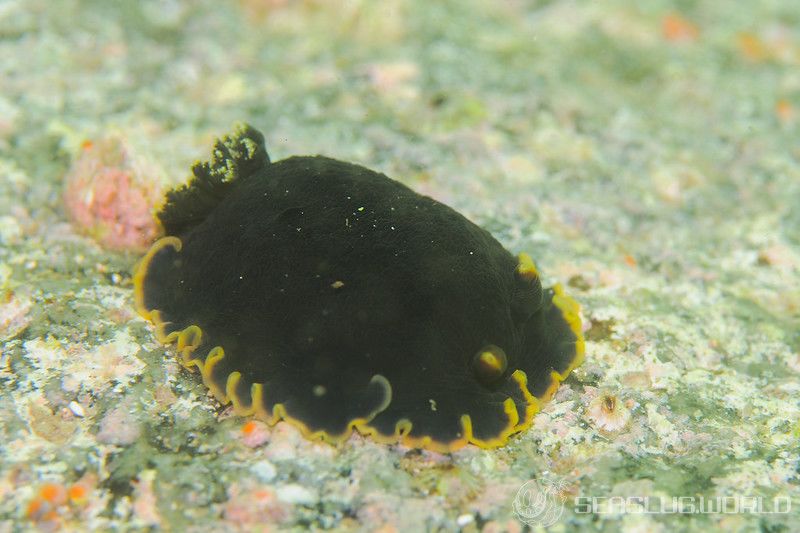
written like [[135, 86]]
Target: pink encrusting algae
[[109, 194]]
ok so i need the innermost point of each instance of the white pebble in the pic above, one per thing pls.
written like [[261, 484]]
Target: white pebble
[[77, 409], [464, 520], [264, 471], [296, 494]]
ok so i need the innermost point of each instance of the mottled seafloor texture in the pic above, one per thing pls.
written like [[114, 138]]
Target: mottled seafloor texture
[[646, 157]]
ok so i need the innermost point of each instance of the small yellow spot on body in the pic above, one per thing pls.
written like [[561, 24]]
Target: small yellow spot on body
[[490, 360], [337, 284], [489, 364], [319, 391], [433, 404]]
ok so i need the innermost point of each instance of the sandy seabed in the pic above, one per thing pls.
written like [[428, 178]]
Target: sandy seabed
[[646, 157]]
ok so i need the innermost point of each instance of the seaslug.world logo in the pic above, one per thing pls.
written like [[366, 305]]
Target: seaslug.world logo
[[538, 503]]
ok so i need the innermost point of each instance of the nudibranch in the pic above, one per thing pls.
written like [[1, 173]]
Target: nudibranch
[[333, 297]]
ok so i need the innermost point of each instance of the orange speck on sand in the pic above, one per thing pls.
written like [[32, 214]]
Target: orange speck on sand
[[53, 493], [752, 47], [34, 508], [784, 110], [254, 433], [44, 507], [50, 504], [252, 508], [264, 495], [630, 260], [78, 493], [87, 144], [676, 28]]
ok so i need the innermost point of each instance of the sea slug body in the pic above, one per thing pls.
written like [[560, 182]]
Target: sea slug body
[[331, 296]]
